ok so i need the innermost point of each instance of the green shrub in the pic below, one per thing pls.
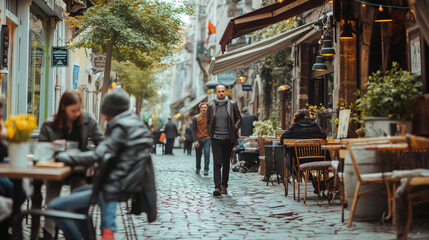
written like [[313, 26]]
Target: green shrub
[[392, 94]]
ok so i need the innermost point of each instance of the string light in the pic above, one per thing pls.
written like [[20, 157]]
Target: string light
[[382, 5], [380, 8], [280, 1]]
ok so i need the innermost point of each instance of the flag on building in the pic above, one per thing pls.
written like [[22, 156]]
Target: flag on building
[[211, 29]]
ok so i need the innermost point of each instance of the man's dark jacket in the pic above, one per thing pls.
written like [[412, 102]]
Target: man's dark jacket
[[247, 124], [304, 129], [188, 133], [129, 170], [170, 130], [234, 119]]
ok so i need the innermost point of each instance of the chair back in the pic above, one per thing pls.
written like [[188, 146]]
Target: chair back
[[352, 157], [309, 150]]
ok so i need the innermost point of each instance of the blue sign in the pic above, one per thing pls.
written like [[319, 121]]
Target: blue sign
[[246, 87], [75, 76], [227, 78]]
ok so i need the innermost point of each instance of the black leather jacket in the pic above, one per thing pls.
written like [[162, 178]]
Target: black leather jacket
[[127, 147]]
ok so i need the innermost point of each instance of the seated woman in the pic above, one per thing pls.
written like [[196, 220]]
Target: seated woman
[[303, 127], [72, 124]]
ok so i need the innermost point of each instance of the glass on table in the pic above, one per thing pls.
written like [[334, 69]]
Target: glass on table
[[43, 151]]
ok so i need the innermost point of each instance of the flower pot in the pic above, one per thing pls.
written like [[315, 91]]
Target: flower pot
[[18, 152], [381, 126]]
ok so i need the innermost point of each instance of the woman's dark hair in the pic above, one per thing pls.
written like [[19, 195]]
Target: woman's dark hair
[[68, 98], [301, 114]]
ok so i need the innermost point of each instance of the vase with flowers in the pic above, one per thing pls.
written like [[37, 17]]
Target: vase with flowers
[[18, 131]]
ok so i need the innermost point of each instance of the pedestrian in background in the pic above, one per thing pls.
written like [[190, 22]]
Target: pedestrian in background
[[247, 124], [72, 124], [201, 138], [188, 140], [171, 133], [223, 123]]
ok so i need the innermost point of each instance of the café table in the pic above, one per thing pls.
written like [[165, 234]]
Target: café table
[[38, 174]]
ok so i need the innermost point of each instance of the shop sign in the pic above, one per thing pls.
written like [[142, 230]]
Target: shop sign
[[98, 61], [60, 57], [227, 78], [246, 87]]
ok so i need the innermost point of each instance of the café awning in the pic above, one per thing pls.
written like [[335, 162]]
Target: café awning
[[192, 104], [264, 17], [252, 53]]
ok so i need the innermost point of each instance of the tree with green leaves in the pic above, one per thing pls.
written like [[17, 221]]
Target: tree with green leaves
[[142, 32], [143, 84]]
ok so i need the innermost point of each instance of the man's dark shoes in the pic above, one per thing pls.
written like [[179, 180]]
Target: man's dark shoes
[[216, 192], [206, 173], [223, 190], [197, 171]]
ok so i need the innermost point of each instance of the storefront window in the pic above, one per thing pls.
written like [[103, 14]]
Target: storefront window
[[37, 62]]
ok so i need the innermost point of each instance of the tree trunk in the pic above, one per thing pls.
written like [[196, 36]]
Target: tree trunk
[[139, 103], [106, 80]]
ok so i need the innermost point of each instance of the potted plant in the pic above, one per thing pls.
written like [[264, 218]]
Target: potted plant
[[265, 128], [18, 131], [389, 99], [360, 132]]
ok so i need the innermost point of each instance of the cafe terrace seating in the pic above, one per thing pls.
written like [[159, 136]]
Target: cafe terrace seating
[[310, 157], [399, 143]]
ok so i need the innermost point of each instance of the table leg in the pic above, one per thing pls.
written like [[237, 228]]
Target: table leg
[[16, 210], [36, 203]]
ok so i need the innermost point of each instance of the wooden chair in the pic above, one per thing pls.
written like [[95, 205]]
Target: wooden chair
[[310, 157], [414, 198], [368, 179]]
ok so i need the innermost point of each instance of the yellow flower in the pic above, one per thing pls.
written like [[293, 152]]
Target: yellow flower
[[21, 125], [306, 104], [336, 103], [336, 121], [10, 133], [341, 108]]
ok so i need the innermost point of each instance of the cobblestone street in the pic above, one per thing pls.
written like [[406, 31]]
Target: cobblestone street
[[251, 210]]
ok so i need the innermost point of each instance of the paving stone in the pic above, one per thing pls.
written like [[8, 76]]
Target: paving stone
[[251, 210]]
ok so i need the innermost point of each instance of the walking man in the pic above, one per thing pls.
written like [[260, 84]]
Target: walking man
[[247, 124], [201, 139], [223, 123], [171, 133]]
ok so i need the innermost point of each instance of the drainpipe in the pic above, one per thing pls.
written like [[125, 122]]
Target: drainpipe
[[57, 91]]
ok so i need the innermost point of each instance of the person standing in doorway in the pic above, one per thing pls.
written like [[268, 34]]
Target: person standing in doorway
[[223, 123], [171, 133], [201, 139], [188, 140], [247, 124]]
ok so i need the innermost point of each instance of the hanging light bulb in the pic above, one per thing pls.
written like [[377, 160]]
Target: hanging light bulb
[[363, 5], [347, 31], [327, 49], [280, 1], [383, 16], [320, 64]]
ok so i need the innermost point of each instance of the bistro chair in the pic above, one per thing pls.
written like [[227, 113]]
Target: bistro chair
[[310, 158], [369, 179]]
